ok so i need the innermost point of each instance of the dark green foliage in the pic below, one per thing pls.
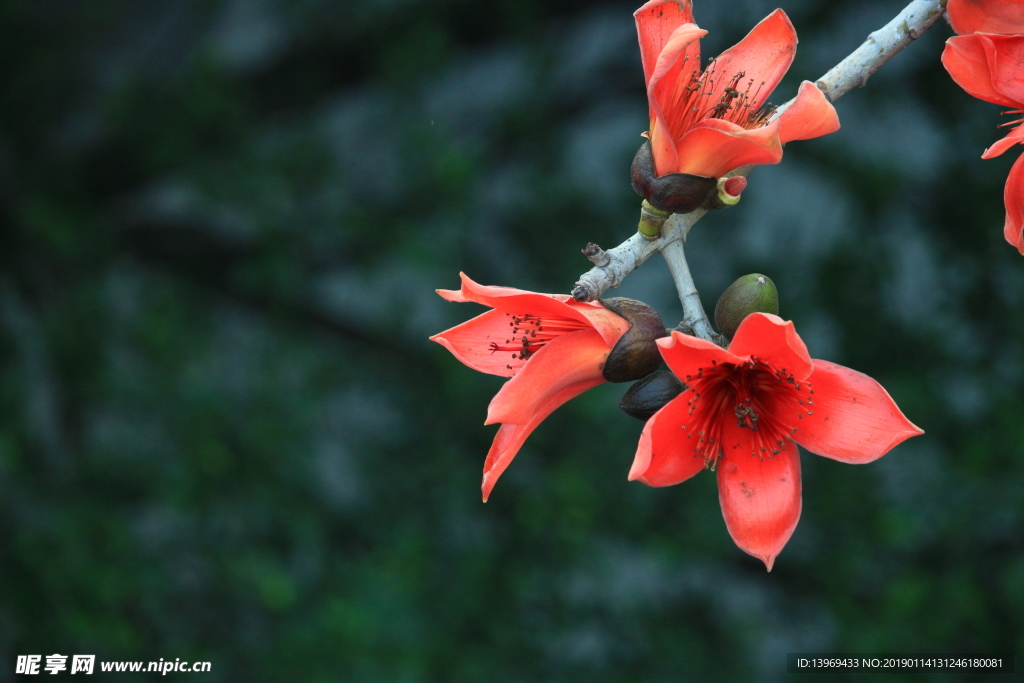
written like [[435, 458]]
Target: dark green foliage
[[224, 435]]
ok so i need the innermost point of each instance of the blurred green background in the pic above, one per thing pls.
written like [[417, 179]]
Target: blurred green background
[[224, 435]]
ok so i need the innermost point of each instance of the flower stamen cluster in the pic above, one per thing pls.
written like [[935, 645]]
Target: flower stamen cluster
[[741, 108], [530, 333], [755, 394]]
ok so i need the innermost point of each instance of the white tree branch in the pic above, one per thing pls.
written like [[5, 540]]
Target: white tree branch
[[693, 311], [880, 47], [852, 72]]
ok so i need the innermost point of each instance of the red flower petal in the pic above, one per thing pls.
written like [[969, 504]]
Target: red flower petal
[[470, 343], [986, 16], [1013, 197], [664, 455], [564, 361], [608, 324], [515, 301], [966, 61], [775, 341], [1012, 138], [510, 437], [714, 147], [655, 23], [760, 498], [764, 54], [811, 115], [686, 355], [853, 419], [676, 62], [1005, 56], [663, 147]]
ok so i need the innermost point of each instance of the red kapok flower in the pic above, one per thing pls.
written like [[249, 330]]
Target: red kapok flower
[[706, 123], [553, 347], [743, 411], [986, 16], [991, 67]]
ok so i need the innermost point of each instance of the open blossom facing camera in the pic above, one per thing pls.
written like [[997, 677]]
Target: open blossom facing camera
[[743, 412], [988, 63], [553, 348], [711, 121]]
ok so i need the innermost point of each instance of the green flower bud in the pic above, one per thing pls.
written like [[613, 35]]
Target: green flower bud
[[636, 353], [750, 294], [647, 396]]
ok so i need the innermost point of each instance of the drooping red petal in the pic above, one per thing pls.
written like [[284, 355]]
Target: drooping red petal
[[470, 343], [852, 419], [775, 341], [760, 498], [714, 147], [965, 58], [1013, 198], [1005, 56], [564, 361], [686, 355], [811, 115], [665, 456], [515, 301], [986, 16], [763, 55], [510, 437], [1015, 136], [655, 23], [676, 62]]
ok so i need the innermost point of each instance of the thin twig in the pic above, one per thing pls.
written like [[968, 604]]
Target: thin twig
[[693, 312]]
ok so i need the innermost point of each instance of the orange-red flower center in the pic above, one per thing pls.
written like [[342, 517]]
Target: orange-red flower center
[[529, 333], [769, 402], [736, 103]]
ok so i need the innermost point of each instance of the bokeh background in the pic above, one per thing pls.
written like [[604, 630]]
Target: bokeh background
[[224, 435]]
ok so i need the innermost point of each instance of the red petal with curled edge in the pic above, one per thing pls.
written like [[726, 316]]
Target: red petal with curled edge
[[965, 58], [760, 498], [510, 437], [676, 63], [810, 116], [775, 341], [665, 456], [471, 341], [763, 55], [986, 16], [686, 355], [565, 361], [714, 147], [655, 23], [1013, 197], [852, 418], [515, 301], [1005, 56], [1015, 136]]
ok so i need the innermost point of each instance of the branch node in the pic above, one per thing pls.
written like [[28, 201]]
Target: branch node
[[598, 256], [581, 292]]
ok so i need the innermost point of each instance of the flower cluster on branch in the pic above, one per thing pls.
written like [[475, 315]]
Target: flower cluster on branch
[[737, 401]]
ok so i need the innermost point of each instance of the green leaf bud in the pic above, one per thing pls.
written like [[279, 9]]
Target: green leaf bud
[[749, 294]]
